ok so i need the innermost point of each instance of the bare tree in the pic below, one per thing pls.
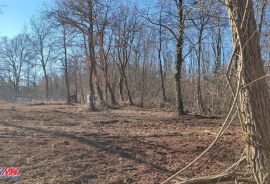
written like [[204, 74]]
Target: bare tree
[[15, 53], [80, 15], [125, 29], [176, 28], [254, 100], [105, 45], [41, 42], [200, 17]]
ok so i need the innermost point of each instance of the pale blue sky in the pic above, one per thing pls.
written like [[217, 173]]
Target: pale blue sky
[[16, 14]]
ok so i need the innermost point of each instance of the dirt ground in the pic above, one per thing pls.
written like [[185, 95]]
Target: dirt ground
[[65, 144]]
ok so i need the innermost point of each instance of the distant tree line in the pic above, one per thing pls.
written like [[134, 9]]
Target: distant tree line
[[172, 54]]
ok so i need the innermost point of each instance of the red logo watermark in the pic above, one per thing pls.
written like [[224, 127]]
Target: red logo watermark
[[9, 173]]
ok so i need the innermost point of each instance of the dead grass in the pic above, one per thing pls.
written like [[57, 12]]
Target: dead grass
[[58, 143]]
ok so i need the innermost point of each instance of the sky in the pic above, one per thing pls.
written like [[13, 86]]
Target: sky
[[16, 14]]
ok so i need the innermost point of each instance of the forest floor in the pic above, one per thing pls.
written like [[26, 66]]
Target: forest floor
[[65, 144]]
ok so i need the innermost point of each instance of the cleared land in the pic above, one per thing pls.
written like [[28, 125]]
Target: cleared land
[[64, 144]]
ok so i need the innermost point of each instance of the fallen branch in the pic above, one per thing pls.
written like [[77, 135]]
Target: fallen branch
[[212, 179], [227, 175]]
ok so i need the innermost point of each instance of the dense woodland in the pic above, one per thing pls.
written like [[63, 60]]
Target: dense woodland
[[171, 54]]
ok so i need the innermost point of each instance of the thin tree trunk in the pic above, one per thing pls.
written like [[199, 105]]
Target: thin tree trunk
[[99, 90], [254, 100], [28, 77], [45, 73], [218, 65], [218, 53], [47, 86], [76, 86], [51, 81], [92, 92], [143, 83], [81, 86], [121, 84], [108, 87], [199, 91], [66, 64], [218, 62], [105, 71], [262, 14], [127, 87], [46, 81], [114, 102], [164, 98]]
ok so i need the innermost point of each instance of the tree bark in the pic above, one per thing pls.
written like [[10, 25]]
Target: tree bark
[[99, 89], [81, 85], [254, 100], [46, 80], [143, 83], [113, 100], [127, 87], [121, 83], [179, 59], [91, 56]]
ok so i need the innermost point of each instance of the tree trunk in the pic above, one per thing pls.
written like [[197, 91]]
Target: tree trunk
[[199, 91], [47, 86], [179, 59], [127, 87], [81, 85], [121, 83], [92, 106], [91, 56], [254, 100], [104, 67], [113, 100], [217, 52], [99, 90], [108, 87], [143, 83], [180, 104], [51, 81], [91, 73], [66, 64], [46, 81], [164, 98]]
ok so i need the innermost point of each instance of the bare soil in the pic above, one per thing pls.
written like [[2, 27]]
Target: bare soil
[[64, 144]]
